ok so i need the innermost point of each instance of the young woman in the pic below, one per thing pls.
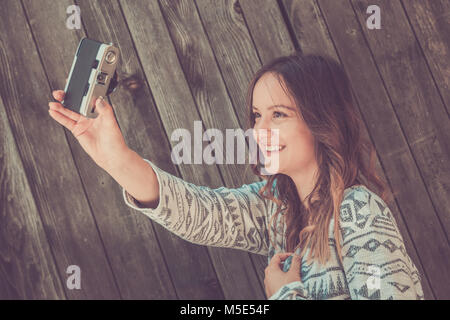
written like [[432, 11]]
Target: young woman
[[326, 234]]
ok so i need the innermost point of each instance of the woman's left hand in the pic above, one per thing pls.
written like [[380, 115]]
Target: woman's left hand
[[275, 277]]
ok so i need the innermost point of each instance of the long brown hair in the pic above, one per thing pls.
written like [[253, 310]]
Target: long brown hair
[[323, 96]]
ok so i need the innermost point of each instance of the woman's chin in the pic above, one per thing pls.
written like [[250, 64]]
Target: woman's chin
[[271, 168]]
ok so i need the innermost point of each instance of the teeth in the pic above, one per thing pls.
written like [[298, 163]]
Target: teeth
[[273, 148]]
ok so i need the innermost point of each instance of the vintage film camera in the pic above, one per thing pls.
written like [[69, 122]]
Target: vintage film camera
[[93, 74]]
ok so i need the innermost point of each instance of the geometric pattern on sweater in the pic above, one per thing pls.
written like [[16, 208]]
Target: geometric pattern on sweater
[[375, 262]]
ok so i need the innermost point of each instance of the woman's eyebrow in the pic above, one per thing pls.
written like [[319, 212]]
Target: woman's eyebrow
[[277, 106]]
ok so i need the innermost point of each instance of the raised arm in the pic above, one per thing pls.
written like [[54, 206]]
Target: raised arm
[[222, 217]]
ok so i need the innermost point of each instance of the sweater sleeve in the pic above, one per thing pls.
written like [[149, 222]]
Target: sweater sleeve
[[222, 217], [375, 260]]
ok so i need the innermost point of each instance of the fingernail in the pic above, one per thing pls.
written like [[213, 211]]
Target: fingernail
[[99, 101]]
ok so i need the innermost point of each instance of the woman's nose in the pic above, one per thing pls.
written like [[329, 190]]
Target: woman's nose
[[266, 135]]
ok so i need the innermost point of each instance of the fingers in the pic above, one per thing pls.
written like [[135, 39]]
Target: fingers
[[68, 113], [62, 119], [105, 110], [102, 105], [58, 95], [277, 258]]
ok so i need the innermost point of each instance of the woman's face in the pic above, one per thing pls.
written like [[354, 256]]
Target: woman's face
[[283, 124]]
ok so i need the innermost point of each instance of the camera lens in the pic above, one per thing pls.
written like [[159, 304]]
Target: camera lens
[[110, 57], [101, 77]]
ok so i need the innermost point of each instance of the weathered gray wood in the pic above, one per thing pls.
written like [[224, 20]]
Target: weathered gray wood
[[210, 41], [27, 267], [130, 243], [414, 96], [177, 109], [372, 98], [430, 21], [204, 79], [48, 164], [233, 47], [267, 28]]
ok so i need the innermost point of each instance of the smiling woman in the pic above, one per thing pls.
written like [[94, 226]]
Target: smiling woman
[[346, 240], [280, 119], [305, 102]]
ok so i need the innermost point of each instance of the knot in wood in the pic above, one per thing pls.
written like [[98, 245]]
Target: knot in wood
[[237, 7]]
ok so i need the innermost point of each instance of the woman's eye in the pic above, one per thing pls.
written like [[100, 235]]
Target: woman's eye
[[281, 114], [276, 114]]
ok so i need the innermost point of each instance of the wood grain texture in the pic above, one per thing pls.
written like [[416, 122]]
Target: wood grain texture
[[233, 47], [47, 160], [27, 267], [430, 21], [184, 61], [415, 99]]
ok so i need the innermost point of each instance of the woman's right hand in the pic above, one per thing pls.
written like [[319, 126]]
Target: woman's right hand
[[101, 137]]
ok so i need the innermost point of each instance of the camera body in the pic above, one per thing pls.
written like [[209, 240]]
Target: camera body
[[93, 74]]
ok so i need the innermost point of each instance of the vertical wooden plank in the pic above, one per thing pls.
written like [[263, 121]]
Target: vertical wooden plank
[[267, 28], [27, 267], [203, 76], [47, 161], [178, 110], [233, 48], [430, 21]]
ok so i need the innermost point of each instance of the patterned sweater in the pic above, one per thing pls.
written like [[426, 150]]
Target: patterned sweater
[[375, 262]]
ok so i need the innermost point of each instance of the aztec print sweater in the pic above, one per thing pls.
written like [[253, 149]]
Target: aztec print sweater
[[375, 262]]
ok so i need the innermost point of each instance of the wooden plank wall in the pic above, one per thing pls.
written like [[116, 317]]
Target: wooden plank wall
[[193, 60]]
